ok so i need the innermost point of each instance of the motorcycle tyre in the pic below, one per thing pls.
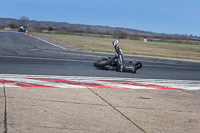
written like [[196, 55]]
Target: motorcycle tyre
[[101, 63]]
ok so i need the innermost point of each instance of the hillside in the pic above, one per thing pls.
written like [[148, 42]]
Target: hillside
[[88, 28]]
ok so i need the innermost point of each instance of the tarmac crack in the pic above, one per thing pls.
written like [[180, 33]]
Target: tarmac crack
[[15, 53], [59, 101], [54, 127], [148, 108], [5, 111], [115, 108], [35, 47]]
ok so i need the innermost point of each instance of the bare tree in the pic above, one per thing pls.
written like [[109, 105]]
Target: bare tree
[[23, 20], [96, 31], [71, 28], [119, 34], [87, 30], [50, 28], [37, 26], [134, 36], [13, 23]]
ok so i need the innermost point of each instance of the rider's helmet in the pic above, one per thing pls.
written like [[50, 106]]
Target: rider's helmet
[[138, 65], [116, 42]]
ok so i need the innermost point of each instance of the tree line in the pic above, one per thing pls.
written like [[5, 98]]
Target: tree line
[[120, 33]]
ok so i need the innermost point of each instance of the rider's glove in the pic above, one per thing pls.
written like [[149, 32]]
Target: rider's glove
[[121, 52], [116, 42]]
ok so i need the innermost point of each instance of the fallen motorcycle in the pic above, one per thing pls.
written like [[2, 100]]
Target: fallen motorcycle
[[117, 62], [21, 29]]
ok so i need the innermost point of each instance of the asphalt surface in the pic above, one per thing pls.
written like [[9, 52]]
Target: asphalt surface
[[25, 54], [78, 110]]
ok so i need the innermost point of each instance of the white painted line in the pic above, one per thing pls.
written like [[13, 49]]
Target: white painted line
[[47, 42], [22, 57]]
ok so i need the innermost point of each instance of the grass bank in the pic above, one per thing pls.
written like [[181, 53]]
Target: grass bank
[[98, 44]]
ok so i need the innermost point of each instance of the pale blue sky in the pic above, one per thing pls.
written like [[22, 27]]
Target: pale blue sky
[[162, 16]]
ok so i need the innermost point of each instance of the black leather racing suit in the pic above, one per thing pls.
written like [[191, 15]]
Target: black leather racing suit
[[121, 66]]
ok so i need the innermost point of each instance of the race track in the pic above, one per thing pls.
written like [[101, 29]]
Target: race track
[[48, 86], [29, 55]]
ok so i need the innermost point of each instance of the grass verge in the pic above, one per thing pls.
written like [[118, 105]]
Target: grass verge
[[98, 44]]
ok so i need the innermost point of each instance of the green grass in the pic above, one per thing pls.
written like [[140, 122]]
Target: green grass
[[98, 44]]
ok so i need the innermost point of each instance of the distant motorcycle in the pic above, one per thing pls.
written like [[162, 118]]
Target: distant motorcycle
[[21, 29], [117, 62]]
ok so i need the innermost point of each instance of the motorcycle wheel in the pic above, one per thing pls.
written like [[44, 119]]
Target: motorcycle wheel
[[101, 63]]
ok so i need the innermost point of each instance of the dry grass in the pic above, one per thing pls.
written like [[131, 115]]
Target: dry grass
[[129, 46]]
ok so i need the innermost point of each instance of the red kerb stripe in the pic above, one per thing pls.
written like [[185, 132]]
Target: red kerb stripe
[[143, 85], [94, 85], [23, 84]]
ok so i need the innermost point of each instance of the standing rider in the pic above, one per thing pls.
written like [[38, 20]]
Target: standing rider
[[120, 60], [121, 66]]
